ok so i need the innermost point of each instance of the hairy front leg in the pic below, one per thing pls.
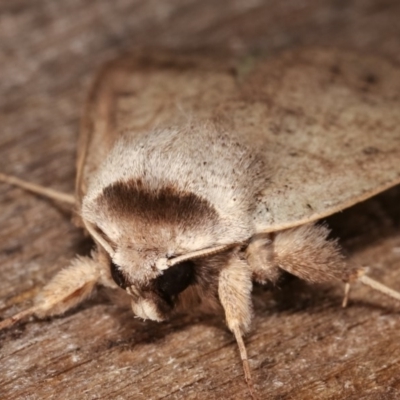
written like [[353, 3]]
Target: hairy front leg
[[234, 290], [66, 290], [306, 252]]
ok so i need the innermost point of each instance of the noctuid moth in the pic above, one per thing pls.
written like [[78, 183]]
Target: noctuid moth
[[197, 177]]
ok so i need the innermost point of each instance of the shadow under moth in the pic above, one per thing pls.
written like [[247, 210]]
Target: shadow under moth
[[198, 176]]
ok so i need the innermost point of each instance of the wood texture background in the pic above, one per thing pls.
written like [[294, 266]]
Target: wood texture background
[[303, 345]]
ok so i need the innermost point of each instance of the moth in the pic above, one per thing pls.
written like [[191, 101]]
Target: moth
[[198, 176]]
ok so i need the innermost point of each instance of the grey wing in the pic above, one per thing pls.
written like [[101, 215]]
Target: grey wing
[[330, 124], [326, 122]]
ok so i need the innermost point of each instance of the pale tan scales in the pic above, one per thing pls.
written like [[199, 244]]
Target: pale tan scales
[[329, 122]]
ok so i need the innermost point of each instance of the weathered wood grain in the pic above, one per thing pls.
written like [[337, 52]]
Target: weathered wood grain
[[303, 345]]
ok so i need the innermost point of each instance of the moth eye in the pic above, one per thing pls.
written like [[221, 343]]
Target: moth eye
[[175, 279], [118, 276]]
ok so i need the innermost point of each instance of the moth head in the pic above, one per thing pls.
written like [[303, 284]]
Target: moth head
[[156, 298], [155, 238], [174, 282]]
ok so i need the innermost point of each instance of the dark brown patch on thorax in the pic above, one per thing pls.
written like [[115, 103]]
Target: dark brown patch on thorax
[[165, 205]]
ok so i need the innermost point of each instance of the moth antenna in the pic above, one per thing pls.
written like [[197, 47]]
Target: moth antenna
[[245, 361], [8, 322], [199, 254], [106, 246], [37, 189]]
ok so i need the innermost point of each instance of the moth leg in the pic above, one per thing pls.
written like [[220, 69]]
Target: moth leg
[[259, 254], [67, 289], [307, 253], [346, 294], [234, 290], [360, 276], [37, 189]]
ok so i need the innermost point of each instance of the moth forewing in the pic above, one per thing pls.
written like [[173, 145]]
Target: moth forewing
[[195, 180]]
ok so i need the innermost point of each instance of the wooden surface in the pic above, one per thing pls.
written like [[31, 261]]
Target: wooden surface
[[303, 345]]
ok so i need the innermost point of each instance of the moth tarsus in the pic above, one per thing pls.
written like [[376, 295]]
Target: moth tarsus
[[360, 276], [245, 361], [24, 314], [346, 294], [185, 210], [379, 287]]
